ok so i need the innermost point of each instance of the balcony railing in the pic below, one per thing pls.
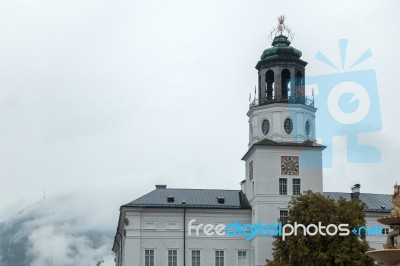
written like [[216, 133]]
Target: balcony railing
[[308, 101]]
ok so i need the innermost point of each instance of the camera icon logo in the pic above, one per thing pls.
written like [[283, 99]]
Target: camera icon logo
[[348, 105]]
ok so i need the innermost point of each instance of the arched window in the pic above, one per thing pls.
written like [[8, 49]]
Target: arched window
[[269, 80], [285, 83], [288, 126], [307, 128], [299, 86], [265, 127]]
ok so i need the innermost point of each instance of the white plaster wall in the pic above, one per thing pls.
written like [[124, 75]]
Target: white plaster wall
[[266, 201], [276, 114], [267, 170], [161, 238], [375, 242]]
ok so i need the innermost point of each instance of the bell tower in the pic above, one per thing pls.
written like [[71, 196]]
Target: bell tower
[[281, 111], [283, 157]]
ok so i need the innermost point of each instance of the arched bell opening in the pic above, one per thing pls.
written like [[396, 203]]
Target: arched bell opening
[[285, 85], [269, 80], [300, 93]]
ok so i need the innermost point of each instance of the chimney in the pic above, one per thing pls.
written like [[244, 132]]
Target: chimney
[[161, 186], [355, 191], [243, 186]]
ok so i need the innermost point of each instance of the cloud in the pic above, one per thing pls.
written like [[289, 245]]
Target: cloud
[[51, 246], [71, 227]]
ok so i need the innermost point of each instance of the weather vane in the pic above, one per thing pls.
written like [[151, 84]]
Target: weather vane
[[280, 29]]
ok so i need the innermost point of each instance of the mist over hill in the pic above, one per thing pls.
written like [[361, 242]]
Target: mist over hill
[[62, 230]]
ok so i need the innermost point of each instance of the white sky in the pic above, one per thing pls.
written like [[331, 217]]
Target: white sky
[[117, 96]]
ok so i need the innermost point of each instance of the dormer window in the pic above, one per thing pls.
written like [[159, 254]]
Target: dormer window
[[170, 199], [221, 200]]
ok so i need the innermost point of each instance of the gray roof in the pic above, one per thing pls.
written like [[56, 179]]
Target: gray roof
[[374, 202], [236, 199], [193, 198]]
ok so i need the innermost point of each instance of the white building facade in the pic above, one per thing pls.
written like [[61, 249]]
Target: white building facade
[[162, 235], [283, 160]]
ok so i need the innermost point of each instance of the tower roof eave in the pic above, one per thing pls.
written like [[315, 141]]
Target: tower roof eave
[[278, 60], [279, 104], [270, 143]]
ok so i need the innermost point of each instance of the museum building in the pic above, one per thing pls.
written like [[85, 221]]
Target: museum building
[[283, 160]]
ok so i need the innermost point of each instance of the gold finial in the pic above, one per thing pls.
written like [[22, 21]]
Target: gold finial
[[281, 25], [281, 28]]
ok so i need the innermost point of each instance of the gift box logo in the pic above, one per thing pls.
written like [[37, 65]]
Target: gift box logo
[[348, 105]]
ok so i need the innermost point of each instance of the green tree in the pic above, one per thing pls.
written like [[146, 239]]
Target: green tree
[[311, 208]]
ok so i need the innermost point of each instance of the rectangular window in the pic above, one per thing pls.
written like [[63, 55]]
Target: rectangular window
[[283, 214], [296, 186], [219, 258], [385, 231], [251, 170], [195, 257], [172, 257], [172, 225], [282, 186], [149, 225], [242, 258], [149, 257]]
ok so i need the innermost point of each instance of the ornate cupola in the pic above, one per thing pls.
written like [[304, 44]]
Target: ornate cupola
[[280, 110]]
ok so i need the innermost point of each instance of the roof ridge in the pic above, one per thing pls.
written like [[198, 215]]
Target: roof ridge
[[238, 190], [360, 193]]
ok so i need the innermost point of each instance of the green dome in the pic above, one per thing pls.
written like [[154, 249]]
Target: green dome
[[280, 48]]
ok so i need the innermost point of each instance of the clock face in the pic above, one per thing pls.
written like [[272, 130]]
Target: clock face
[[289, 165]]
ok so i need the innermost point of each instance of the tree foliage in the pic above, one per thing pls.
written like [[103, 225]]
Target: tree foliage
[[311, 208]]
